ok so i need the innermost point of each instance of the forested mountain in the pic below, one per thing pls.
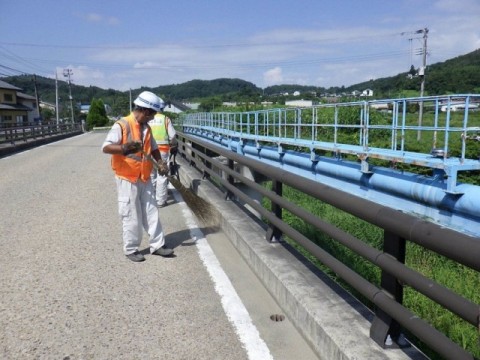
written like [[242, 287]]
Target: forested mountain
[[457, 75], [195, 89], [454, 76]]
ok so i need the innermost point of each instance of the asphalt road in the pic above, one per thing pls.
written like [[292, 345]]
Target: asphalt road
[[68, 292]]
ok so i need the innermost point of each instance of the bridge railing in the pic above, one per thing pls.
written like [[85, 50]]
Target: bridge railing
[[399, 229], [439, 132], [21, 134]]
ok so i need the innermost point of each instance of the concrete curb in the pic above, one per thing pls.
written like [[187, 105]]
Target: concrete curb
[[334, 323]]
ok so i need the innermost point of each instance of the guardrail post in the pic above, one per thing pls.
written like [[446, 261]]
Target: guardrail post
[[205, 174], [12, 137], [207, 164], [385, 331], [230, 179], [273, 233]]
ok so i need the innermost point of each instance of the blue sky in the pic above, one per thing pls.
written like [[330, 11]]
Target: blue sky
[[125, 44]]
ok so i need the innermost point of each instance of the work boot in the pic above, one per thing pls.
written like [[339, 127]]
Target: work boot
[[163, 251], [136, 256]]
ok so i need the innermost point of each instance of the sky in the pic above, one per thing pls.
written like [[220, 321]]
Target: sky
[[125, 45]]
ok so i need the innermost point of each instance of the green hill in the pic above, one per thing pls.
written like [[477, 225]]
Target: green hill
[[460, 75], [457, 75], [197, 89]]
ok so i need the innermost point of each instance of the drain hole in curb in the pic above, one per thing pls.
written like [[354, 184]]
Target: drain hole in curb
[[277, 317]]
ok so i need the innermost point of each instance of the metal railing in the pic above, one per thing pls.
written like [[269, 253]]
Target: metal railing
[[22, 134], [398, 229], [389, 129]]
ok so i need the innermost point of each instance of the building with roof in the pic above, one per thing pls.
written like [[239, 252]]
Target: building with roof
[[175, 107], [16, 108], [299, 103]]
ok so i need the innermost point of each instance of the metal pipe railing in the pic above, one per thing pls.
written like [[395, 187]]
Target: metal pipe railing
[[24, 133], [367, 121], [457, 246]]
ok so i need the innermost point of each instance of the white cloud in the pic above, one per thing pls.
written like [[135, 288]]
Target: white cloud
[[325, 57], [273, 76], [98, 18], [92, 17]]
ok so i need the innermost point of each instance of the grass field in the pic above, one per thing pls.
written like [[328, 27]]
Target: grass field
[[460, 279]]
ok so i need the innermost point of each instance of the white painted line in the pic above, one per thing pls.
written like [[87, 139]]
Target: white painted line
[[231, 302]]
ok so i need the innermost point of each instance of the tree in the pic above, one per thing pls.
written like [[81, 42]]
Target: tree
[[412, 71], [210, 104], [97, 116], [47, 115], [120, 105]]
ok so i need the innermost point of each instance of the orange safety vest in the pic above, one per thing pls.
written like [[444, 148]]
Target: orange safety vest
[[159, 126], [134, 166]]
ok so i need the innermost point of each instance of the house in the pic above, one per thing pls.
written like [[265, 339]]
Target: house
[[380, 106], [367, 92], [175, 107], [192, 106], [47, 105], [299, 103], [85, 108], [458, 106], [229, 103], [16, 108], [33, 117]]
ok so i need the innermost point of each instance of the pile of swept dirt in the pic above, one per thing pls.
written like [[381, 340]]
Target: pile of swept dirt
[[205, 212]]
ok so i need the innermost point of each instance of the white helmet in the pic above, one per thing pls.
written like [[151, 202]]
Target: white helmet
[[149, 100]]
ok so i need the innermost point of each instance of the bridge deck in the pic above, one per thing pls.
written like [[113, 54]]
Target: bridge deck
[[68, 290]]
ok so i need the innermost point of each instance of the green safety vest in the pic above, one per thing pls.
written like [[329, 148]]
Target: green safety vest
[[159, 129]]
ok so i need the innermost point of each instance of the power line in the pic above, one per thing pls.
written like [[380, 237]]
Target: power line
[[348, 58], [313, 40], [12, 70], [18, 59]]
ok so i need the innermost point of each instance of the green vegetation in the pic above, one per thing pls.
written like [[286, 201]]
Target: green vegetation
[[97, 115], [458, 75], [454, 76], [458, 278]]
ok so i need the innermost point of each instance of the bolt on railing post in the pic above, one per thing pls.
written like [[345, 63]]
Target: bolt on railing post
[[384, 326]]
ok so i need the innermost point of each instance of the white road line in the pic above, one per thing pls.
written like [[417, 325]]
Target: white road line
[[231, 302]]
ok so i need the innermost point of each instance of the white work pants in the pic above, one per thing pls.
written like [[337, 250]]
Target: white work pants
[[137, 209], [160, 183]]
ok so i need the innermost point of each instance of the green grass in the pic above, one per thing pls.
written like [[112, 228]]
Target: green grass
[[458, 278]]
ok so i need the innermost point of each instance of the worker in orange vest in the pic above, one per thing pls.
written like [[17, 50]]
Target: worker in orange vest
[[164, 134], [132, 146]]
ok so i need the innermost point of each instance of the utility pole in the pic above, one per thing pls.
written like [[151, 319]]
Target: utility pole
[[421, 73], [68, 73], [130, 99], [37, 99], [56, 98]]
